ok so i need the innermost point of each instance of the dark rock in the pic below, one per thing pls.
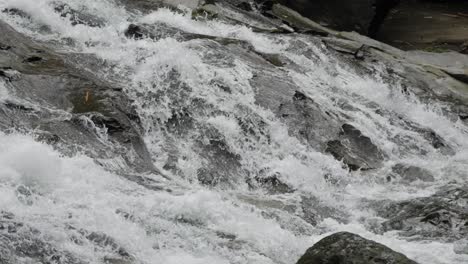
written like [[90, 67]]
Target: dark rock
[[105, 241], [4, 47], [112, 124], [436, 26], [348, 248], [462, 77], [33, 59], [273, 184], [411, 173], [222, 167], [441, 216], [161, 30], [144, 6], [363, 16], [355, 149], [134, 31], [298, 22], [273, 59], [54, 83], [245, 6], [360, 53], [16, 12], [17, 106]]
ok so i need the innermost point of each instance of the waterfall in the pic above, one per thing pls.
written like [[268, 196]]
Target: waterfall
[[207, 140]]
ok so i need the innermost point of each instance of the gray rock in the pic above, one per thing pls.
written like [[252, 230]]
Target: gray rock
[[410, 173], [363, 16], [441, 216], [84, 106], [348, 248], [78, 17], [19, 241], [355, 149], [314, 211], [307, 120]]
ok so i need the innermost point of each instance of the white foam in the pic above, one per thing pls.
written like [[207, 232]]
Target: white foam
[[185, 226]]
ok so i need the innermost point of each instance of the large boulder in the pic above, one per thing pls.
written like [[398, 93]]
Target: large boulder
[[348, 248]]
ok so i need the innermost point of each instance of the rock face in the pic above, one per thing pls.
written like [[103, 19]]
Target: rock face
[[348, 248], [363, 16], [431, 25], [65, 104]]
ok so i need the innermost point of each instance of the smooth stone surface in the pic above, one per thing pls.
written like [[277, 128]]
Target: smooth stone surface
[[348, 248]]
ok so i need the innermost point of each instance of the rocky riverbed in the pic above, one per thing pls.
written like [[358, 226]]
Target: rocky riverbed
[[144, 131]]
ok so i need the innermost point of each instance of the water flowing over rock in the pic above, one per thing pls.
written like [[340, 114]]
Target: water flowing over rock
[[356, 150], [443, 215], [225, 132]]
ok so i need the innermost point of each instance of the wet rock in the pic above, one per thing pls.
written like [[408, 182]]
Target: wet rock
[[134, 31], [159, 31], [105, 241], [16, 12], [111, 124], [245, 6], [79, 17], [346, 248], [314, 211], [222, 167], [298, 22], [33, 59], [18, 106], [461, 76], [234, 12], [4, 47], [273, 184], [360, 54], [410, 173], [355, 149], [19, 241], [274, 59], [441, 216], [306, 119], [47, 80], [143, 6], [363, 16], [436, 26]]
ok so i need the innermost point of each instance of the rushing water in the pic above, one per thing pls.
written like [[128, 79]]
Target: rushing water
[[228, 223]]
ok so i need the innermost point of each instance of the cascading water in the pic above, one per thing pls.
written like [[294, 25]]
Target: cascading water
[[207, 112]]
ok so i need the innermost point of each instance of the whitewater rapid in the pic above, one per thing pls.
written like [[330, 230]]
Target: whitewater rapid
[[77, 191]]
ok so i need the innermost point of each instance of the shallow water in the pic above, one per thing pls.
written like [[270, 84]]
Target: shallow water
[[226, 223]]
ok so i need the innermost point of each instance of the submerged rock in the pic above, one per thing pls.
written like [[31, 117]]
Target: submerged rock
[[410, 173], [79, 17], [348, 248], [19, 241], [441, 216]]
